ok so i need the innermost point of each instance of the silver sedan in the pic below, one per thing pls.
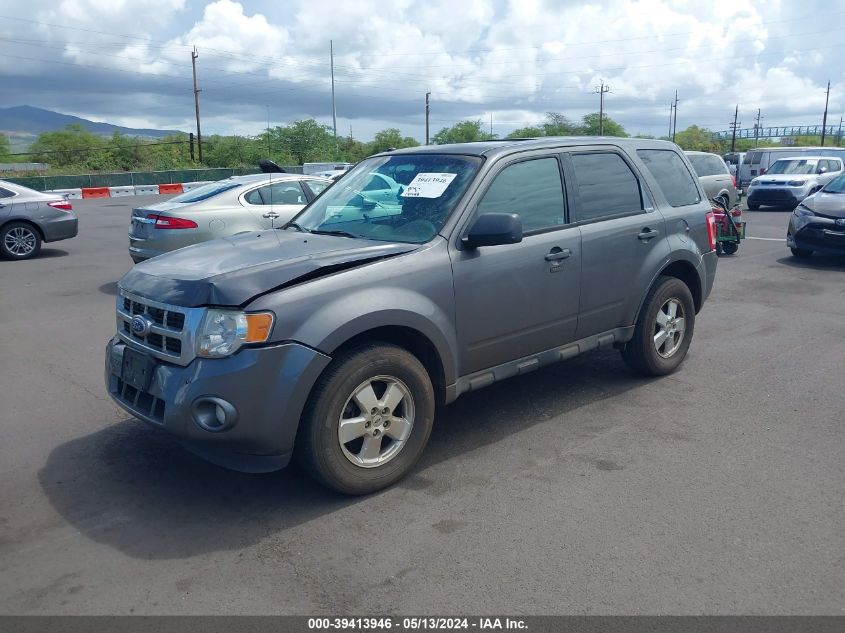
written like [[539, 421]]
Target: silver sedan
[[220, 209], [28, 218]]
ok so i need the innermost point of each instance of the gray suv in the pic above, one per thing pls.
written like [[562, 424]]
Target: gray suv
[[334, 337]]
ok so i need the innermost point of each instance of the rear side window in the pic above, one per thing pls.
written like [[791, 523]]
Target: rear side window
[[206, 191], [5, 193], [532, 189], [604, 186], [707, 164], [753, 158], [672, 176]]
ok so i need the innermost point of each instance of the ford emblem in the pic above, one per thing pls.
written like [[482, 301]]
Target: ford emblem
[[140, 326]]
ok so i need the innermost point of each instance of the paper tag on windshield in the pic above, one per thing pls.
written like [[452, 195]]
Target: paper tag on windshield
[[428, 185]]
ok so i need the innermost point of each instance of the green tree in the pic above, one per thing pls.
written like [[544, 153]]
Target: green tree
[[5, 149], [391, 137], [590, 126], [305, 141], [232, 151], [526, 132], [555, 124], [697, 139], [72, 146], [462, 132]]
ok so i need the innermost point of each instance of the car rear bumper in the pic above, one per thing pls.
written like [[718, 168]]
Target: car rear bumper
[[707, 272], [266, 389], [62, 227]]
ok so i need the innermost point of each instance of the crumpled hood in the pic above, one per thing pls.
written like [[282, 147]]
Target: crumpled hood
[[233, 270], [830, 204]]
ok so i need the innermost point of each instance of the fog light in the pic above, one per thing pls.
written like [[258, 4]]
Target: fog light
[[214, 414]]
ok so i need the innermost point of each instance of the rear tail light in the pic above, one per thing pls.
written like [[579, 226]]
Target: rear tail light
[[736, 212], [61, 205], [711, 229], [733, 180], [167, 222]]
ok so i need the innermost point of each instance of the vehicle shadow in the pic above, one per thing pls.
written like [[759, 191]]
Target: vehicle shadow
[[136, 490], [822, 262], [109, 288]]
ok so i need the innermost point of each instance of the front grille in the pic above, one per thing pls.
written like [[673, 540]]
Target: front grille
[[171, 328], [773, 195], [143, 403]]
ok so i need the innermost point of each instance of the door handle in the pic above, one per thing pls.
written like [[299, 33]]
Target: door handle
[[554, 256], [647, 234]]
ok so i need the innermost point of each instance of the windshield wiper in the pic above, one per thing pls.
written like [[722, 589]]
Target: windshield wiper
[[296, 226], [339, 233]]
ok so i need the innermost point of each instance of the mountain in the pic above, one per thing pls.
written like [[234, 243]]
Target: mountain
[[27, 122]]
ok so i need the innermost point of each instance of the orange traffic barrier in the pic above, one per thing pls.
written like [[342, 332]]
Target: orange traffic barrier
[[174, 188], [95, 192]]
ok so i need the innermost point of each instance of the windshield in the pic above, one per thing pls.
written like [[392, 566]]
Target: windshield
[[837, 185], [793, 166], [206, 191], [402, 198]]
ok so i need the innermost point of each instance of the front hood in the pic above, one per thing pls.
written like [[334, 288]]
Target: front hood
[[830, 204], [233, 270]]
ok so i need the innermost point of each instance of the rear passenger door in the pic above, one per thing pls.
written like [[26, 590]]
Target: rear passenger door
[[622, 236], [286, 198]]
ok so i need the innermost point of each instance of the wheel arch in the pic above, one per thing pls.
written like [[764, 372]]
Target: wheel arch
[[684, 270], [410, 339], [23, 220]]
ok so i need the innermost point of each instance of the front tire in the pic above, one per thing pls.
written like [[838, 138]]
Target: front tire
[[368, 419], [19, 240], [801, 253], [664, 329], [753, 207]]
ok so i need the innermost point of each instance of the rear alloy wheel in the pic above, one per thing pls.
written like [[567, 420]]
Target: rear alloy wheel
[[664, 329], [368, 419], [801, 253], [19, 240]]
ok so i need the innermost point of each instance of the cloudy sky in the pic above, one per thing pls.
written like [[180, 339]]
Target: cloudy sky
[[128, 61]]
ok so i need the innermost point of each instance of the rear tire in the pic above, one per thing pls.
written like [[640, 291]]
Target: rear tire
[[367, 420], [801, 253], [664, 329], [753, 207], [19, 240], [730, 248]]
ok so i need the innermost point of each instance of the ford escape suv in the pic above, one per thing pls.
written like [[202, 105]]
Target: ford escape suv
[[334, 337]]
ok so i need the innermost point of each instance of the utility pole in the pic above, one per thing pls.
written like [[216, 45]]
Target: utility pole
[[194, 56], [671, 110], [427, 111], [491, 125], [757, 129], [824, 119], [675, 118], [839, 133], [601, 90], [268, 133], [734, 125], [334, 110], [191, 141]]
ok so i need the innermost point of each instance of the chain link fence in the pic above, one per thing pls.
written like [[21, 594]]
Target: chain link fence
[[128, 179]]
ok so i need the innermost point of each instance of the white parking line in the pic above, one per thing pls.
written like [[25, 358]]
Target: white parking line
[[768, 239]]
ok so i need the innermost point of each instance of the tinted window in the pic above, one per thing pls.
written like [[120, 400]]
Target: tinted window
[[672, 176], [605, 186], [5, 193], [253, 197], [282, 193], [532, 189], [753, 158], [707, 164]]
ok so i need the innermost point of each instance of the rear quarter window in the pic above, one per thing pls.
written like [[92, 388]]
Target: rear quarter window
[[673, 178]]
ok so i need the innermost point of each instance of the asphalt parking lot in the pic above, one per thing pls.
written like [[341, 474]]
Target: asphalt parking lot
[[578, 489]]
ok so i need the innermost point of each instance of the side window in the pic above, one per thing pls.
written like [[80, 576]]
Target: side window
[[253, 197], [754, 158], [672, 176], [604, 186], [376, 183], [5, 193], [532, 189], [316, 186], [283, 193]]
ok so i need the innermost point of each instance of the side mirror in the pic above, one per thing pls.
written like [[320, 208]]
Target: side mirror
[[492, 229]]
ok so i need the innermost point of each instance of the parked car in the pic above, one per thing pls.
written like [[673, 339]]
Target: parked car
[[220, 209], [758, 161], [28, 218], [818, 223], [790, 180], [734, 161], [335, 338], [714, 176]]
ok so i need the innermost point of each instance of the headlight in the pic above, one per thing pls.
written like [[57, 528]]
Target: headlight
[[797, 183], [802, 212], [223, 332], [754, 182]]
